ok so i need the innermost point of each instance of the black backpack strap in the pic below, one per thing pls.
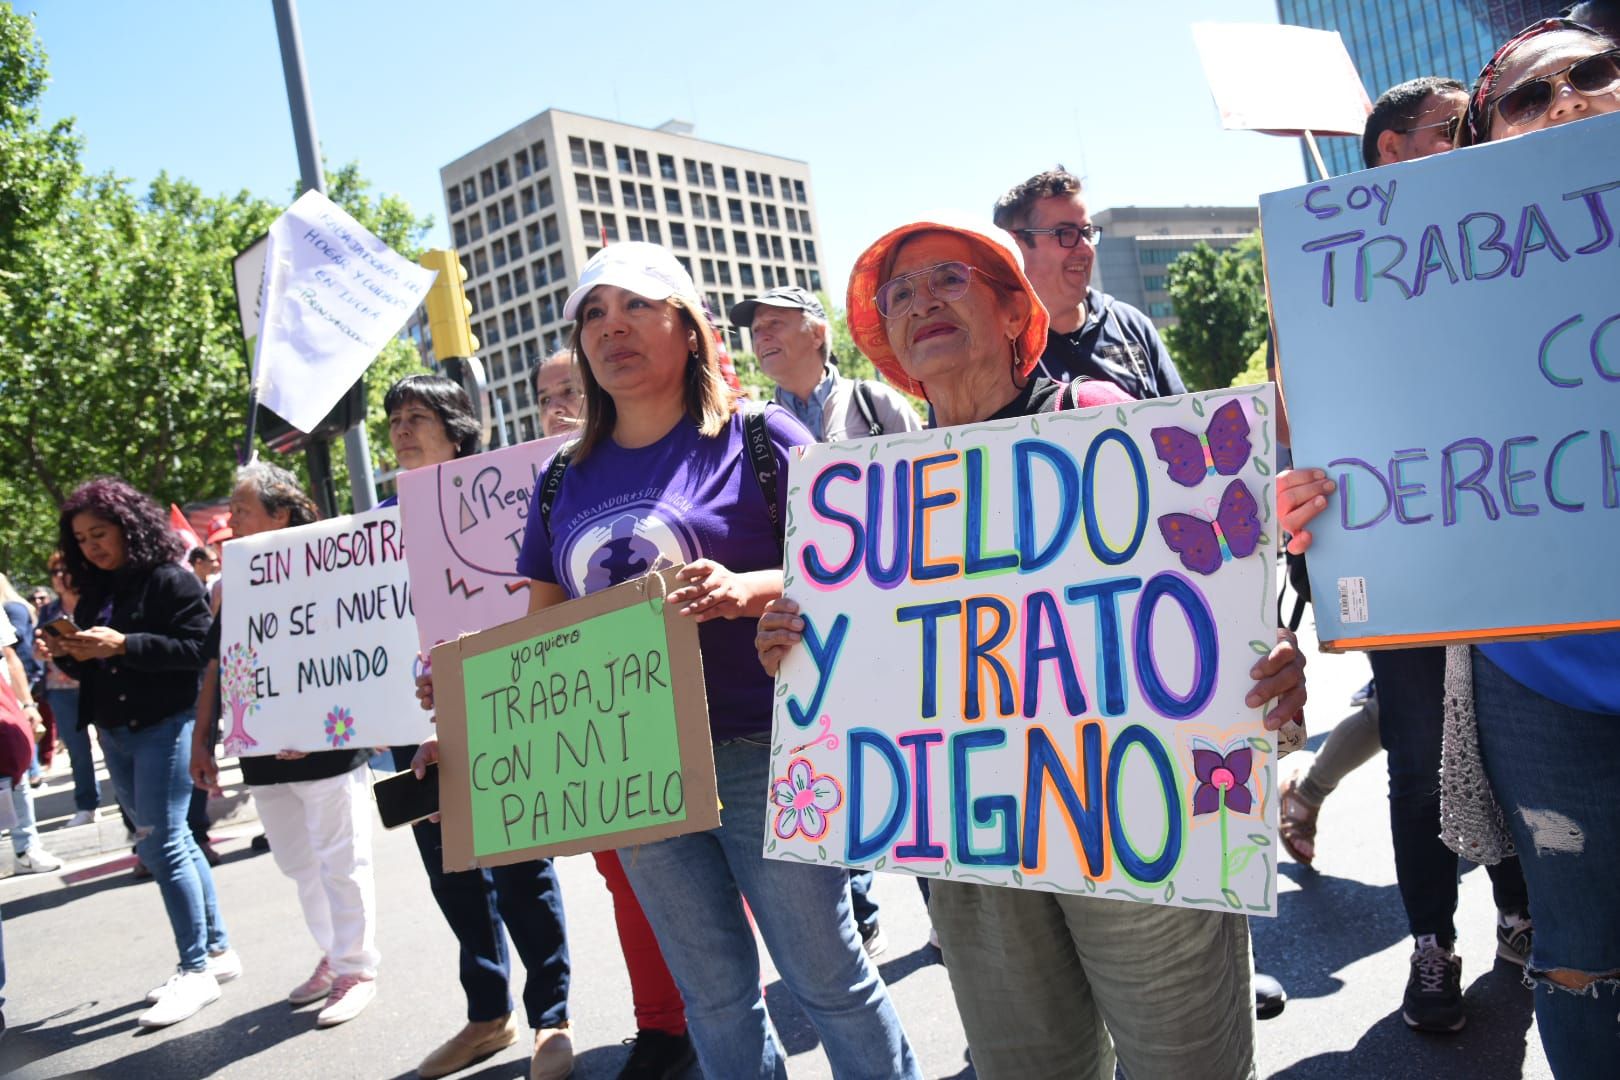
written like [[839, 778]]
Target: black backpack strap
[[868, 407], [758, 442], [551, 483]]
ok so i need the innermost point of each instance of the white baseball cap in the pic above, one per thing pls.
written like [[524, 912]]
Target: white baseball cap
[[645, 269]]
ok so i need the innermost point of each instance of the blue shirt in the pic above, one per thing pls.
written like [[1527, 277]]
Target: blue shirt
[[1581, 671], [812, 412]]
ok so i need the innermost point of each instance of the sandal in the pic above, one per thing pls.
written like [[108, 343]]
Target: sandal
[[1296, 823]]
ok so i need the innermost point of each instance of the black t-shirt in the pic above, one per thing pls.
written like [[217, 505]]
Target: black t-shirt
[[269, 769]]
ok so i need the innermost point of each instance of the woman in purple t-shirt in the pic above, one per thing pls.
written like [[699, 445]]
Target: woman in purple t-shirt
[[661, 474]]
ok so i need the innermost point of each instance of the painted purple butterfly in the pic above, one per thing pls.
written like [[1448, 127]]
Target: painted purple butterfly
[[1222, 449], [1204, 545]]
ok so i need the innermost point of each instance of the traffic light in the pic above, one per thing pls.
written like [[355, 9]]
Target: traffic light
[[448, 308]]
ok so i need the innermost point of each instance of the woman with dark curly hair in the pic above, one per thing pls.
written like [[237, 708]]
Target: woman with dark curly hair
[[144, 617]]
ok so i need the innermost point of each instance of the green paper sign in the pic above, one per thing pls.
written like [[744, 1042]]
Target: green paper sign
[[572, 734]]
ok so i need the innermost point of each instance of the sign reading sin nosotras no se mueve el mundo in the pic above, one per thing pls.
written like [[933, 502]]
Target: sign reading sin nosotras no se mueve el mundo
[[1449, 337], [1027, 650]]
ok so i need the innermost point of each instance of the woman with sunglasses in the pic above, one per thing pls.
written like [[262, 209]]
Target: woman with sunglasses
[[1544, 715], [661, 473], [1047, 985]]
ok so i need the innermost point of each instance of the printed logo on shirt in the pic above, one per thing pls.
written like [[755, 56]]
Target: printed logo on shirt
[[619, 542]]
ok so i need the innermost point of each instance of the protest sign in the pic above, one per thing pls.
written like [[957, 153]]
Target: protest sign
[[317, 642], [464, 524], [1027, 648], [1449, 339], [582, 727], [1282, 79], [333, 294]]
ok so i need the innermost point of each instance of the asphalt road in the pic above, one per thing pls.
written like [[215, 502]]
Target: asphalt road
[[83, 946]]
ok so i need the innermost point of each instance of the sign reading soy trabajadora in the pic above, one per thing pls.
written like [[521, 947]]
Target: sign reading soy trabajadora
[[464, 523], [317, 639], [1449, 333], [1027, 648]]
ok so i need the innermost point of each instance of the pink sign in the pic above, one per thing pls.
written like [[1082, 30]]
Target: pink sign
[[464, 523]]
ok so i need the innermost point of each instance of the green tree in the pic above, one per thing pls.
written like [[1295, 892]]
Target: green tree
[[120, 347], [1220, 306]]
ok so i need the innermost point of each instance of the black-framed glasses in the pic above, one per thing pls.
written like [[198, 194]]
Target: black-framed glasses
[[1067, 235], [946, 280], [1530, 100], [1450, 124]]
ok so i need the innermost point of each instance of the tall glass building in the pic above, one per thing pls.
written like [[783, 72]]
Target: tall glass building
[[1395, 40]]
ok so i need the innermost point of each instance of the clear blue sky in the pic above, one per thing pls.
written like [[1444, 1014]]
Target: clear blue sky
[[901, 109]]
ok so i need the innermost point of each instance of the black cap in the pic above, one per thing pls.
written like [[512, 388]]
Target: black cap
[[787, 296]]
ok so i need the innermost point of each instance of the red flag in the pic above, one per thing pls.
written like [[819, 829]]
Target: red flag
[[178, 522]]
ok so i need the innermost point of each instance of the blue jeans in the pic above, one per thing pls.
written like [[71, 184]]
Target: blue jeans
[[1410, 718], [524, 899], [24, 833], [149, 770], [1552, 769], [65, 704], [692, 888]]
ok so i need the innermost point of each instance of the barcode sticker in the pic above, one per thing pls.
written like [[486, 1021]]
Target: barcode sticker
[[1352, 599]]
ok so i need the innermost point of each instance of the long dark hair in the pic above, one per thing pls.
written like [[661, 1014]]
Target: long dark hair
[[149, 542], [446, 398]]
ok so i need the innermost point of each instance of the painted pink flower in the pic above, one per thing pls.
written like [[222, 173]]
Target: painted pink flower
[[339, 726], [1223, 777], [804, 800]]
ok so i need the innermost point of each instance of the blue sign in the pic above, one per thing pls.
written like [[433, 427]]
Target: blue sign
[[1448, 332]]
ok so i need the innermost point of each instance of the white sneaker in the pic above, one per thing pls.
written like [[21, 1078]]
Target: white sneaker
[[36, 860], [182, 996], [349, 997], [81, 817], [223, 967]]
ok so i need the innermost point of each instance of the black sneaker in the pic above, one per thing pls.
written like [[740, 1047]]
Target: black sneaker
[[1434, 1000], [873, 941], [1514, 934], [1269, 997], [658, 1055]]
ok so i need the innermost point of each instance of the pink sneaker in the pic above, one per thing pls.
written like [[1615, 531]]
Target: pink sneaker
[[350, 995], [315, 987]]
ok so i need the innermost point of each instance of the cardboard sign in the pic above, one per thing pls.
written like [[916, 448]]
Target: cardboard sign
[[1449, 336], [464, 523], [1027, 648], [317, 641], [579, 728], [1282, 79], [333, 295]]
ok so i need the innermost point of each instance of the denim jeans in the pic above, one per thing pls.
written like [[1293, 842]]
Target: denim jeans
[[482, 907], [149, 770], [65, 704], [1552, 769], [1410, 717], [24, 833], [692, 888]]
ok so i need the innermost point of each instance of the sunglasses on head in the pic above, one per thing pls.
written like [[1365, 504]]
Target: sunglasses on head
[[1531, 99], [946, 280], [1067, 235]]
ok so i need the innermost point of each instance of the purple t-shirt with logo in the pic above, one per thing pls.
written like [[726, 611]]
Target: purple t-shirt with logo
[[685, 497]]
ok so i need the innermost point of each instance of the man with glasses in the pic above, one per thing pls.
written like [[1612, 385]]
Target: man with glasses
[[1091, 333], [1417, 118]]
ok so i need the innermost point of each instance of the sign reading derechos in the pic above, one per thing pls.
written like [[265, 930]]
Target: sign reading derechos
[[317, 639], [1028, 644], [579, 728], [1449, 337]]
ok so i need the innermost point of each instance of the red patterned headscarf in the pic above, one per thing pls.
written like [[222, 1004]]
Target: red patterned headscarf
[[1477, 121]]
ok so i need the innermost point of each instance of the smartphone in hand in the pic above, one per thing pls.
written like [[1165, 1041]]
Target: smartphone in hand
[[402, 799], [62, 626]]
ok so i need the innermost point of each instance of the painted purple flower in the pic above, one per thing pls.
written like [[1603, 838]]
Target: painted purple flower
[[804, 800], [1228, 775], [339, 726]]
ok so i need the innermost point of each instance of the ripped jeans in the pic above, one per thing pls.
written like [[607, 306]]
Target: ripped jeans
[[1552, 769]]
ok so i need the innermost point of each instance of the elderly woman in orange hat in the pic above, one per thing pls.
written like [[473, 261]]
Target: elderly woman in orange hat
[[1048, 985]]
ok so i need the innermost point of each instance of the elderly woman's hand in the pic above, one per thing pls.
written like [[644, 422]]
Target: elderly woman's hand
[[1280, 676], [1301, 495], [780, 629]]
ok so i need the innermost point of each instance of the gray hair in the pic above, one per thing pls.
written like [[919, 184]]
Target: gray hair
[[278, 490]]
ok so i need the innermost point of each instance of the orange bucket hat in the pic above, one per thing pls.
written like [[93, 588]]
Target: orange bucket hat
[[992, 256]]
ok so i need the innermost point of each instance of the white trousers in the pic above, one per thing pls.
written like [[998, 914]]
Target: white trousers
[[320, 836]]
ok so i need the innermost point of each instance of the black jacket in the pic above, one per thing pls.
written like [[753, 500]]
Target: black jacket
[[163, 615], [1117, 343]]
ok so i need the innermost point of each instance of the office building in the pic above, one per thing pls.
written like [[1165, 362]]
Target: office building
[[528, 208], [1392, 41], [1140, 242]]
